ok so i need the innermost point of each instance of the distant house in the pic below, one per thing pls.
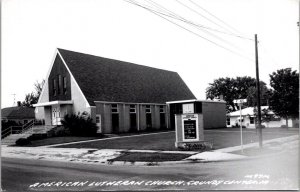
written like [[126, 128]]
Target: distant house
[[20, 115], [248, 118], [117, 95]]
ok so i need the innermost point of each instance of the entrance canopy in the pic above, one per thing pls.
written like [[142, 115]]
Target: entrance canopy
[[68, 102]]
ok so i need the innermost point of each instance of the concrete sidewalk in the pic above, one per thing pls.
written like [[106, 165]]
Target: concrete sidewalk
[[281, 140], [104, 156], [227, 154]]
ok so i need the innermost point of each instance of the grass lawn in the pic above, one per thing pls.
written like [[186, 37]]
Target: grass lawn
[[68, 139], [57, 140], [150, 157], [158, 141], [221, 138]]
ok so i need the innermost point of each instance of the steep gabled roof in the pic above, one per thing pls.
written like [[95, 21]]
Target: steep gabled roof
[[18, 113], [102, 79]]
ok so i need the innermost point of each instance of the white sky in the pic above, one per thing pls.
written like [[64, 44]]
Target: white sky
[[32, 29]]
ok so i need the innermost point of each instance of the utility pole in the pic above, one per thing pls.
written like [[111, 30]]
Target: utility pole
[[258, 95]]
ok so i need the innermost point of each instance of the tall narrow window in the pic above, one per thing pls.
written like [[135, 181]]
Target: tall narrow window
[[114, 108], [54, 87], [162, 109], [59, 84], [132, 109], [148, 109], [65, 85]]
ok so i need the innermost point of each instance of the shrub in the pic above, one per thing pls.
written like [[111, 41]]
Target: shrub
[[22, 142], [80, 125]]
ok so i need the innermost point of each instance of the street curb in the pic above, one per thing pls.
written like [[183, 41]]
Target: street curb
[[184, 161], [158, 151]]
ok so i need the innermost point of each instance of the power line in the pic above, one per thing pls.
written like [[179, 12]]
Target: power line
[[226, 24], [193, 10], [152, 11], [168, 13], [178, 17], [197, 5]]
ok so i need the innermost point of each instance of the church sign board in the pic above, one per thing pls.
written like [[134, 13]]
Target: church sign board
[[189, 124]]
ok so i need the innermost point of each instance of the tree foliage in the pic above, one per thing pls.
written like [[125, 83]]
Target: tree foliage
[[33, 97], [284, 99], [264, 95], [234, 88]]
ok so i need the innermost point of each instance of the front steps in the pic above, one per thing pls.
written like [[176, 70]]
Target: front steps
[[37, 131], [11, 139]]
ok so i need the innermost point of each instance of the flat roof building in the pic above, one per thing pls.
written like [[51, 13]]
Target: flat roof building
[[214, 112]]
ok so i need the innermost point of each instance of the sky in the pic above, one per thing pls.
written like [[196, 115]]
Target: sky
[[221, 45]]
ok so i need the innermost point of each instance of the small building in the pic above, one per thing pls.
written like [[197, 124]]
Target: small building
[[214, 112], [191, 117], [19, 114], [248, 118], [118, 96]]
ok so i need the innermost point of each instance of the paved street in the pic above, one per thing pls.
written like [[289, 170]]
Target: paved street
[[273, 171]]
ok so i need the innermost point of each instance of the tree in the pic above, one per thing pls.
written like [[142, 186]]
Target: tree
[[284, 100], [230, 89], [30, 99], [264, 95], [39, 87], [33, 97]]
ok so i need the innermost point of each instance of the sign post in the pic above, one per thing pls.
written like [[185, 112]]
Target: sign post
[[240, 103]]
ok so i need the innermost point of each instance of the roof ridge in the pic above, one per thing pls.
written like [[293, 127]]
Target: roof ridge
[[127, 62], [104, 79]]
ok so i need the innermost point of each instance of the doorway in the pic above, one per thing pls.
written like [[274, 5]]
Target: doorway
[[56, 119], [133, 124], [162, 120], [115, 122], [148, 121]]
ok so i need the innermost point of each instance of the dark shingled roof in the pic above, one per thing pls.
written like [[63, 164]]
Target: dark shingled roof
[[102, 79], [18, 113]]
